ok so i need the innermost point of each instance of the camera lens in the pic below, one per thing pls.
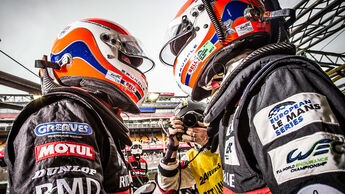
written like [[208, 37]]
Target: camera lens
[[190, 120]]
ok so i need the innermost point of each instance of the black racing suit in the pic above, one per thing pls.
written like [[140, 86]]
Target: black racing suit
[[283, 127], [138, 170], [67, 142]]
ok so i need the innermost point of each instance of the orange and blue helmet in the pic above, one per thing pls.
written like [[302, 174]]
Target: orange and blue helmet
[[201, 30], [102, 56]]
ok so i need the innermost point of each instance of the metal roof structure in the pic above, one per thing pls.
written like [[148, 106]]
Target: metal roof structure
[[319, 23]]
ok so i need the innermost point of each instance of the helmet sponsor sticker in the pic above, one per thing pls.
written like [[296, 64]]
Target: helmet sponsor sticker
[[318, 189], [205, 50], [64, 148], [314, 154], [117, 78], [186, 59], [244, 28], [291, 114], [113, 77], [63, 128], [70, 185], [192, 67], [230, 154], [62, 170]]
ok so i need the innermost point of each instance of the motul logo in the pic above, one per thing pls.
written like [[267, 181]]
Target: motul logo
[[64, 148]]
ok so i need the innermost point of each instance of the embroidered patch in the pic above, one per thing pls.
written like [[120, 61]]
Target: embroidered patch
[[310, 155], [230, 154], [64, 128], [64, 148], [291, 114]]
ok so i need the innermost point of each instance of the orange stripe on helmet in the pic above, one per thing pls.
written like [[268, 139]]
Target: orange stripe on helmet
[[86, 36]]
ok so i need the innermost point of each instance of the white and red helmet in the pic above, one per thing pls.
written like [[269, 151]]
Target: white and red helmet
[[136, 148], [202, 29], [102, 56]]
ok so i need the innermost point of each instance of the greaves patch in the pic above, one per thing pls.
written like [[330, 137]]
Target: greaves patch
[[314, 154], [64, 148], [63, 128], [291, 114]]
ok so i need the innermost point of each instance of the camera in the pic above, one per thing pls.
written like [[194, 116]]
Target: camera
[[190, 113], [191, 118]]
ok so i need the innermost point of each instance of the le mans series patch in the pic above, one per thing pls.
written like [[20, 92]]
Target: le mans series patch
[[63, 128], [291, 114], [314, 154]]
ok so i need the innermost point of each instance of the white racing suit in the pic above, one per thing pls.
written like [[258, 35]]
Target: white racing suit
[[282, 129], [168, 176], [67, 142], [203, 170]]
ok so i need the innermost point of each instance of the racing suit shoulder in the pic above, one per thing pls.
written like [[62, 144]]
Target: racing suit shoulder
[[60, 146], [282, 132], [295, 115]]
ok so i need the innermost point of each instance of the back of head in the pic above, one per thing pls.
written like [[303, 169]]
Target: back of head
[[103, 58], [205, 35]]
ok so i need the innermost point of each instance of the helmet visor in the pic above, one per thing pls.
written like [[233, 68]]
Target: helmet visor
[[131, 47], [137, 146], [179, 35]]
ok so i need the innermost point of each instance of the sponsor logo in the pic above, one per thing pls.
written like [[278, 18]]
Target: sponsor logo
[[130, 75], [124, 181], [229, 179], [205, 50], [63, 127], [208, 174], [68, 185], [130, 87], [192, 67], [63, 169], [244, 28], [63, 148], [309, 158], [230, 155], [319, 148], [113, 77], [185, 60], [292, 114]]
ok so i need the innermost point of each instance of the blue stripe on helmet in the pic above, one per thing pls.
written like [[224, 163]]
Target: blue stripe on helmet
[[81, 50]]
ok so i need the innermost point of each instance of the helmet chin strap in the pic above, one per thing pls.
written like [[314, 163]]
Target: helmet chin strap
[[47, 82]]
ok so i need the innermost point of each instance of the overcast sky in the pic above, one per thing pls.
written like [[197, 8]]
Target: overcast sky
[[28, 29]]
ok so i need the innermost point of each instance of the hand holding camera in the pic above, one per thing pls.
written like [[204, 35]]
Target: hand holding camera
[[187, 124]]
